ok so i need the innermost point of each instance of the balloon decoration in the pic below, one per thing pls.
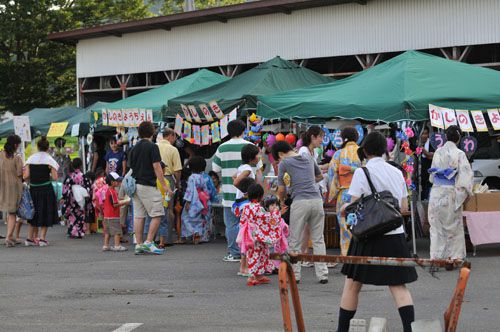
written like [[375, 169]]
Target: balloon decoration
[[270, 140], [255, 133], [280, 137], [326, 138], [299, 143], [361, 133], [336, 139], [290, 138]]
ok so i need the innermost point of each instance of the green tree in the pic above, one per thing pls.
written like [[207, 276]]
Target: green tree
[[177, 6], [35, 72]]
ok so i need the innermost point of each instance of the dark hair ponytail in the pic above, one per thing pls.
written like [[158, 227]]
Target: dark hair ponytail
[[43, 144], [453, 134], [75, 164], [10, 146], [312, 131]]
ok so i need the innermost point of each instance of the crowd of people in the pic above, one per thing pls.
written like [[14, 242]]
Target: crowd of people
[[149, 192]]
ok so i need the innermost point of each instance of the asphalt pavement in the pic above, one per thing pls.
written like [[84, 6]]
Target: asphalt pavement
[[72, 286]]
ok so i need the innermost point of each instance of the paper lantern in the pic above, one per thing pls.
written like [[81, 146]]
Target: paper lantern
[[270, 140], [299, 143], [290, 138], [280, 137]]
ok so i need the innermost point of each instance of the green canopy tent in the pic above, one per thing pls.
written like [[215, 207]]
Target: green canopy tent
[[273, 76], [398, 89], [42, 118], [156, 99]]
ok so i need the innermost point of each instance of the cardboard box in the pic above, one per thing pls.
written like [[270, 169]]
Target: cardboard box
[[483, 202]]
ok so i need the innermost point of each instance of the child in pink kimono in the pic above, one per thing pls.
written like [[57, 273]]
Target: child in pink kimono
[[272, 203], [259, 230]]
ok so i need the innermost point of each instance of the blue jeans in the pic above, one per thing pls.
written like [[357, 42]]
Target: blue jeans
[[232, 228], [163, 230]]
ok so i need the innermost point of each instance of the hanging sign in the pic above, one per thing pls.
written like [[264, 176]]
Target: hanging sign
[[205, 135], [336, 139], [119, 116], [142, 115], [464, 121], [187, 131], [494, 118], [22, 127], [449, 117], [149, 115], [468, 144], [215, 132], [75, 130], [206, 112], [479, 120], [361, 133], [197, 134], [187, 115], [233, 114], [194, 113], [436, 116], [178, 124], [223, 127], [104, 116], [216, 109], [438, 140], [326, 137], [57, 129]]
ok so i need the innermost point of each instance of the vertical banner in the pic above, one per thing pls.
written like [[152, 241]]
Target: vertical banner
[[449, 117], [120, 118], [194, 113], [136, 117], [464, 121], [479, 121], [22, 127], [215, 132], [142, 115], [126, 119], [178, 124], [104, 117], [223, 127], [112, 120], [216, 109], [185, 110], [187, 131], [206, 112], [233, 114], [494, 118], [196, 134], [205, 135], [149, 115], [436, 116]]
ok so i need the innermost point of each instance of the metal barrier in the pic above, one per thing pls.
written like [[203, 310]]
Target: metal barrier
[[287, 277]]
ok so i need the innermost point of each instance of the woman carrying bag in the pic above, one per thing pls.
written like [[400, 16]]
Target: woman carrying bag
[[384, 177]]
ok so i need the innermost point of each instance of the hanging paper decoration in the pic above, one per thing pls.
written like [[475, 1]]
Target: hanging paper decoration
[[280, 137], [326, 138], [187, 131], [438, 140], [215, 132], [270, 140], [216, 109], [194, 113], [494, 118], [187, 115], [196, 135], [464, 121], [361, 133], [290, 138], [336, 139], [205, 135], [142, 115], [436, 116], [449, 117], [178, 124], [468, 144], [104, 115], [223, 127], [149, 115], [299, 143], [206, 112], [233, 114], [479, 120]]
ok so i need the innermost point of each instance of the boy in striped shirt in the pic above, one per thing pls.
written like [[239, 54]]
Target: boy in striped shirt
[[226, 161]]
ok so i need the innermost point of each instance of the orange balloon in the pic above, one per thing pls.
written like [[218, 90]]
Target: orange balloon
[[280, 137], [290, 138]]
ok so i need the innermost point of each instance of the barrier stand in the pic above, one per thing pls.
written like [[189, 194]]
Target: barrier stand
[[287, 277]]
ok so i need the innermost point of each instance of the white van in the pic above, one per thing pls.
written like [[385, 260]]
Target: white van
[[486, 161]]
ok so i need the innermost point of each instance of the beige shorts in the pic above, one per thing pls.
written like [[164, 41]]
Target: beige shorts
[[112, 226], [148, 202]]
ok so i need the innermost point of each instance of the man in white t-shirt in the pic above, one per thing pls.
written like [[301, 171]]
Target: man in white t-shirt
[[250, 158]]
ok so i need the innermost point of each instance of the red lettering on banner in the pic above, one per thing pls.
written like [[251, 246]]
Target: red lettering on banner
[[479, 119], [435, 114], [463, 119], [495, 118], [448, 119]]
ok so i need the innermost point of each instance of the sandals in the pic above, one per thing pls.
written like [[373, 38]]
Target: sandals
[[255, 282], [10, 244]]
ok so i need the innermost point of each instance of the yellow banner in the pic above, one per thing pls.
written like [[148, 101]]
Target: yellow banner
[[57, 129]]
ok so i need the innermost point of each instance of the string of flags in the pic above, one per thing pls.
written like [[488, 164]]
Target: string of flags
[[125, 118], [203, 134], [443, 118]]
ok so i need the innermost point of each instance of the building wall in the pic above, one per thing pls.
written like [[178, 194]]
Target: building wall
[[379, 26]]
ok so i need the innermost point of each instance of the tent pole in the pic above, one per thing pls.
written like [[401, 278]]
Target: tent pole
[[82, 153], [412, 207]]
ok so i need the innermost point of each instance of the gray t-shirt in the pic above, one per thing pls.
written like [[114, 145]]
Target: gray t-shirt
[[303, 172]]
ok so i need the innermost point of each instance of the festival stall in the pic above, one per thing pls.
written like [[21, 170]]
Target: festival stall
[[411, 87]]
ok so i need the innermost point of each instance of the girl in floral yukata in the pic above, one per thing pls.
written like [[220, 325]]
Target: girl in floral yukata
[[72, 211], [344, 162], [199, 196], [271, 203], [259, 230]]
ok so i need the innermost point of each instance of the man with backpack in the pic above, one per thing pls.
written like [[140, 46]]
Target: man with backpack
[[146, 168]]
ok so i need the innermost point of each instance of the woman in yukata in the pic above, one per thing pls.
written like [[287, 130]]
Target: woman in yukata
[[452, 178]]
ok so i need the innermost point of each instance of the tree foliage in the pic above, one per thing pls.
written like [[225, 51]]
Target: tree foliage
[[177, 6], [35, 72]]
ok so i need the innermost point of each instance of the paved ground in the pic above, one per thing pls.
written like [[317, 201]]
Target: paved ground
[[72, 286]]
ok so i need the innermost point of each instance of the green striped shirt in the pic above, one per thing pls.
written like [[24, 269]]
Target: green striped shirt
[[226, 161]]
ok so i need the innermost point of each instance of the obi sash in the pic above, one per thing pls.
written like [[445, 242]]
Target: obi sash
[[444, 177], [345, 176]]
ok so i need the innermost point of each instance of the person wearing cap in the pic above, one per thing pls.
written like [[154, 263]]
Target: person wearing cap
[[173, 166], [147, 200], [112, 204]]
